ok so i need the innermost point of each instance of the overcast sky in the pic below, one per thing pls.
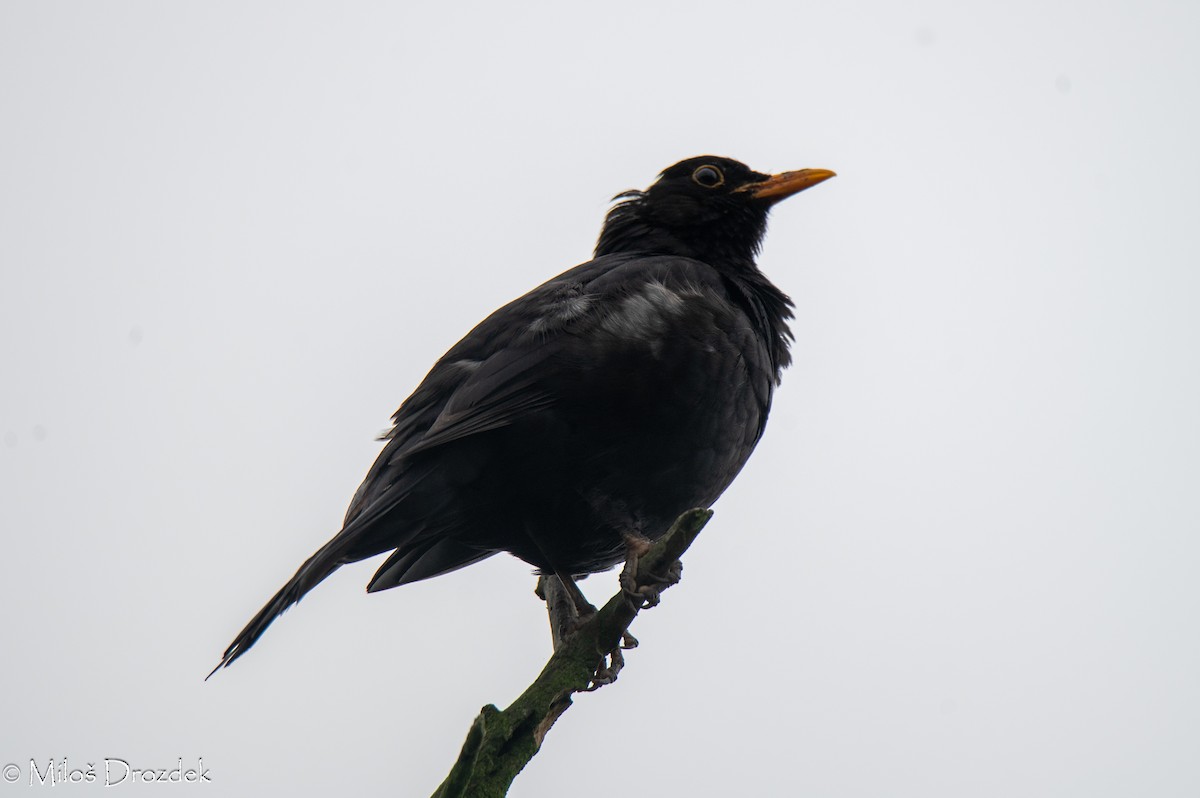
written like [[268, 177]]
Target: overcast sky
[[234, 237]]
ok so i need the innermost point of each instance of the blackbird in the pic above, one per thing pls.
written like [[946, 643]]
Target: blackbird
[[593, 410]]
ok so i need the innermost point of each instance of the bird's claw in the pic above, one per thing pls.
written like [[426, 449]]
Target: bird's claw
[[610, 666], [647, 592], [644, 592], [641, 592]]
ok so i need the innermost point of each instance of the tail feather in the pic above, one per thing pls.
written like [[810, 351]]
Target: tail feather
[[368, 532], [360, 538], [433, 558], [315, 569]]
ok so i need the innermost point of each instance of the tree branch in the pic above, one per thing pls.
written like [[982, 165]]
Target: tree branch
[[500, 743], [560, 609]]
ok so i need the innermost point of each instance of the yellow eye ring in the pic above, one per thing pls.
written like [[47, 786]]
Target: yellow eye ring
[[708, 176]]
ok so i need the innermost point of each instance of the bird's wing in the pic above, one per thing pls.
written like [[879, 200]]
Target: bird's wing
[[555, 334], [490, 377], [506, 388], [518, 360]]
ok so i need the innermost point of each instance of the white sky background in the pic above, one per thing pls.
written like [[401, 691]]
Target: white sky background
[[963, 561]]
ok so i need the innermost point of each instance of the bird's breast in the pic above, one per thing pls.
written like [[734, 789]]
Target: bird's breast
[[673, 397]]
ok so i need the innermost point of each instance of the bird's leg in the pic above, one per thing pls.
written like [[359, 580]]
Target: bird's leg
[[565, 619], [567, 607], [584, 607], [640, 591], [645, 593]]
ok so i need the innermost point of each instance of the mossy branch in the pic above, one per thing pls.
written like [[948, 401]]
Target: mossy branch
[[500, 743]]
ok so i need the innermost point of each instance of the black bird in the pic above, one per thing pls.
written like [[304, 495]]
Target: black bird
[[591, 411]]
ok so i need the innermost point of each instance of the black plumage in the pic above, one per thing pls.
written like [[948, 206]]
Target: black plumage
[[601, 404]]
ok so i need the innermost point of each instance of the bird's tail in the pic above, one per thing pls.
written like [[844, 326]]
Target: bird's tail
[[315, 569]]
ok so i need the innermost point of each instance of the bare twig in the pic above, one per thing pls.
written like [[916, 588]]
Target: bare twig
[[563, 614]]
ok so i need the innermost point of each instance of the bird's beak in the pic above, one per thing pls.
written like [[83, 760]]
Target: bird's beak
[[785, 184]]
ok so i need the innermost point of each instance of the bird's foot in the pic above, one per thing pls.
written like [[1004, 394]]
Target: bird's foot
[[612, 663], [646, 591], [649, 595], [610, 666], [583, 608]]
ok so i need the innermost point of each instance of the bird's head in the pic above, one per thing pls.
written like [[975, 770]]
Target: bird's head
[[709, 208]]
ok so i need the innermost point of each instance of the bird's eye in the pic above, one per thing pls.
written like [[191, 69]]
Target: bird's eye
[[708, 176]]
